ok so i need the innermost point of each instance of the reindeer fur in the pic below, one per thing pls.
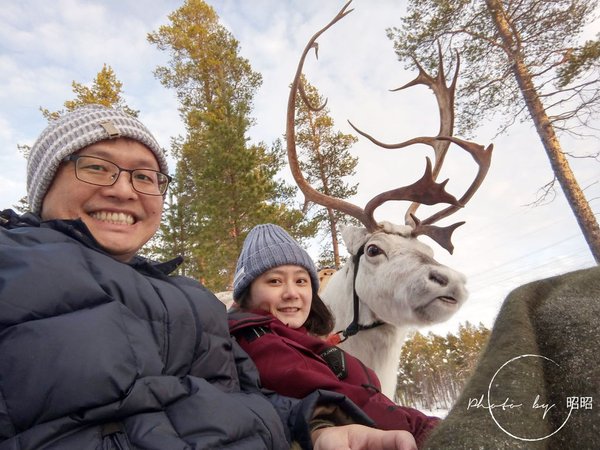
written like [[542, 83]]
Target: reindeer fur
[[402, 286]]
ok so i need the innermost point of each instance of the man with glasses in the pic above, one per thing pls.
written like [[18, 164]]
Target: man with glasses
[[101, 172], [101, 348]]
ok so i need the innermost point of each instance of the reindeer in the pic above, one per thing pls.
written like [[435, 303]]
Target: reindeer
[[392, 283]]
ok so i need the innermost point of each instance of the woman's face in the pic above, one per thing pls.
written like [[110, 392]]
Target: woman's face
[[285, 292]]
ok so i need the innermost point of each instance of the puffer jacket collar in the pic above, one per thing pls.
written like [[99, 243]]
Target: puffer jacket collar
[[77, 230]]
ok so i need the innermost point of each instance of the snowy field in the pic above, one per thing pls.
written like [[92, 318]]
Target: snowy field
[[441, 413]]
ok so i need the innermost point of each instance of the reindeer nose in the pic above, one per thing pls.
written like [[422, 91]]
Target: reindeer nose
[[438, 278]]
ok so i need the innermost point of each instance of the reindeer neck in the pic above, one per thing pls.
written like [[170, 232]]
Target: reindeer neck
[[360, 320], [377, 347]]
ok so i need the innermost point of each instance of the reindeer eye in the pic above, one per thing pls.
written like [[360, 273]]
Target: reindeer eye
[[373, 250]]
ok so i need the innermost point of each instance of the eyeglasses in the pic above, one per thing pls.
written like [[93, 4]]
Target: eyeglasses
[[101, 172]]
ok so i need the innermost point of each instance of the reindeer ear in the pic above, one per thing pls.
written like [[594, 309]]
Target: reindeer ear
[[354, 238]]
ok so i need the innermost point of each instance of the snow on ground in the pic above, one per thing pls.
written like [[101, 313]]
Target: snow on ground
[[441, 413]]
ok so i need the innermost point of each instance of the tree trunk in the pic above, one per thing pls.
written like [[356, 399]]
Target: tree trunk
[[334, 239], [560, 165]]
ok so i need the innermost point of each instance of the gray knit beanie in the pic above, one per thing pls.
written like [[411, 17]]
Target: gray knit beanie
[[74, 131], [265, 247]]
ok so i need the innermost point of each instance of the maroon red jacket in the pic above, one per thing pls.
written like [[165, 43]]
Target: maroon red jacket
[[294, 363]]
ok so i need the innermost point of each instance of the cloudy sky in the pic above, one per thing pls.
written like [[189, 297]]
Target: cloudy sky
[[44, 46]]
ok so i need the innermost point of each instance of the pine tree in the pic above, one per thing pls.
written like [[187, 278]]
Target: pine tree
[[325, 162], [223, 185], [433, 369], [105, 90], [522, 60]]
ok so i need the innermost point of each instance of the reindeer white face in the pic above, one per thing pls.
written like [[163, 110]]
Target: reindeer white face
[[399, 281]]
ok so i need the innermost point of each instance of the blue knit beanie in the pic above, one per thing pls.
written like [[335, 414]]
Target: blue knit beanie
[[265, 247]]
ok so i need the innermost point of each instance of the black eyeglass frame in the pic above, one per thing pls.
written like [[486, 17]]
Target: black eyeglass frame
[[75, 158]]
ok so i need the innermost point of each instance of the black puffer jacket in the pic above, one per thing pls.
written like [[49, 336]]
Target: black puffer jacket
[[97, 354]]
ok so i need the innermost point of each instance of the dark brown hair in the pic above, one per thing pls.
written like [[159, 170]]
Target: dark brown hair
[[319, 322]]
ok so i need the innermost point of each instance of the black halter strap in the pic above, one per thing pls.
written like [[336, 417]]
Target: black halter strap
[[354, 326]]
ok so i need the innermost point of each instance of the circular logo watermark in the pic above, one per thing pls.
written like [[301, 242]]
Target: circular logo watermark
[[546, 407], [502, 376]]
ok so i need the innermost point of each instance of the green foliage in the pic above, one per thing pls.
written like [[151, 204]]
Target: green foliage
[[205, 66], [433, 369], [325, 161], [579, 62], [223, 185], [105, 90]]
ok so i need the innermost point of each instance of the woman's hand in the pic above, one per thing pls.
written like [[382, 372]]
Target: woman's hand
[[360, 437]]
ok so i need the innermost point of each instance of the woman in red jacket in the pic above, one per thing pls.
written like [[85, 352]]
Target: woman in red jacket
[[278, 318]]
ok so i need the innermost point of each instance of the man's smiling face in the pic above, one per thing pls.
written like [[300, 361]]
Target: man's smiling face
[[121, 219]]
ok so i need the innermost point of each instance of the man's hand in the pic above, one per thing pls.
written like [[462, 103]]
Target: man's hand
[[360, 437]]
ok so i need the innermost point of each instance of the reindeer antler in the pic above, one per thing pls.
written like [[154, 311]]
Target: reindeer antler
[[440, 144], [425, 190], [444, 95], [310, 193]]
